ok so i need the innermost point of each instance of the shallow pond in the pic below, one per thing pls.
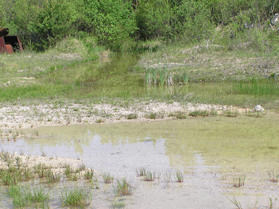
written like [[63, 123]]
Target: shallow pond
[[209, 151]]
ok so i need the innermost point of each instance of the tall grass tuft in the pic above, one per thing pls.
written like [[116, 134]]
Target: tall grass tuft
[[185, 78], [179, 177], [25, 196], [257, 87], [122, 187], [107, 178], [239, 181], [76, 197], [141, 171]]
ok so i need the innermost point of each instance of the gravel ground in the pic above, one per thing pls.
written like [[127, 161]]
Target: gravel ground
[[31, 116]]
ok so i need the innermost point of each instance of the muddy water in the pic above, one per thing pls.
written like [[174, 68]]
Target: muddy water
[[210, 151]]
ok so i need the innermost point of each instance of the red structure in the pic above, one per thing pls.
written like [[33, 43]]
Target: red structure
[[9, 44]]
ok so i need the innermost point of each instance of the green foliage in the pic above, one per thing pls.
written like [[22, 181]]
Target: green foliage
[[111, 21], [53, 22], [117, 23], [75, 197]]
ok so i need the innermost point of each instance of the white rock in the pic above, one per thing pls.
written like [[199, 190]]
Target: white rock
[[259, 108]]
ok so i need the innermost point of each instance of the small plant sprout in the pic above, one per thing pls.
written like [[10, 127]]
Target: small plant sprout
[[89, 174], [271, 202], [150, 176], [239, 181], [43, 154], [21, 152], [179, 176], [141, 171], [82, 167], [236, 203], [68, 171], [95, 183], [107, 178], [118, 204], [122, 187], [167, 177], [273, 176]]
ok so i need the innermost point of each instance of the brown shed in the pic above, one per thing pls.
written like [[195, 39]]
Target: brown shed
[[9, 44]]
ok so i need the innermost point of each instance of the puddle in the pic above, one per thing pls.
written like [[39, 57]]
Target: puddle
[[210, 151]]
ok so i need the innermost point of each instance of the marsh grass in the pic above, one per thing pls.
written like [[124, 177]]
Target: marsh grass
[[122, 187], [74, 177], [28, 174], [9, 179], [95, 183], [196, 113], [178, 115], [168, 177], [68, 171], [236, 203], [132, 116], [255, 114], [257, 87], [26, 196], [117, 204], [89, 174], [100, 120], [44, 172], [273, 176], [239, 181], [141, 171], [82, 167], [53, 177], [179, 177], [150, 176], [77, 197], [152, 115], [271, 202], [230, 113], [107, 178]]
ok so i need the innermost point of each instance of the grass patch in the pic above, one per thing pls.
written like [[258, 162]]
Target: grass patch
[[150, 176], [76, 197], [255, 114], [89, 174], [122, 187], [132, 116], [178, 115], [232, 114], [196, 113], [257, 87], [107, 178], [179, 177], [25, 196], [118, 204], [53, 177]]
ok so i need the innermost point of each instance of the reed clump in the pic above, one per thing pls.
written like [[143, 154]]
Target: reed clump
[[122, 187]]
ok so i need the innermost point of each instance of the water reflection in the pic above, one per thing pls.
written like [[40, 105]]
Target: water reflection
[[244, 143]]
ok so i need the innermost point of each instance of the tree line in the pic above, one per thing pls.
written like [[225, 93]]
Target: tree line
[[113, 23]]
